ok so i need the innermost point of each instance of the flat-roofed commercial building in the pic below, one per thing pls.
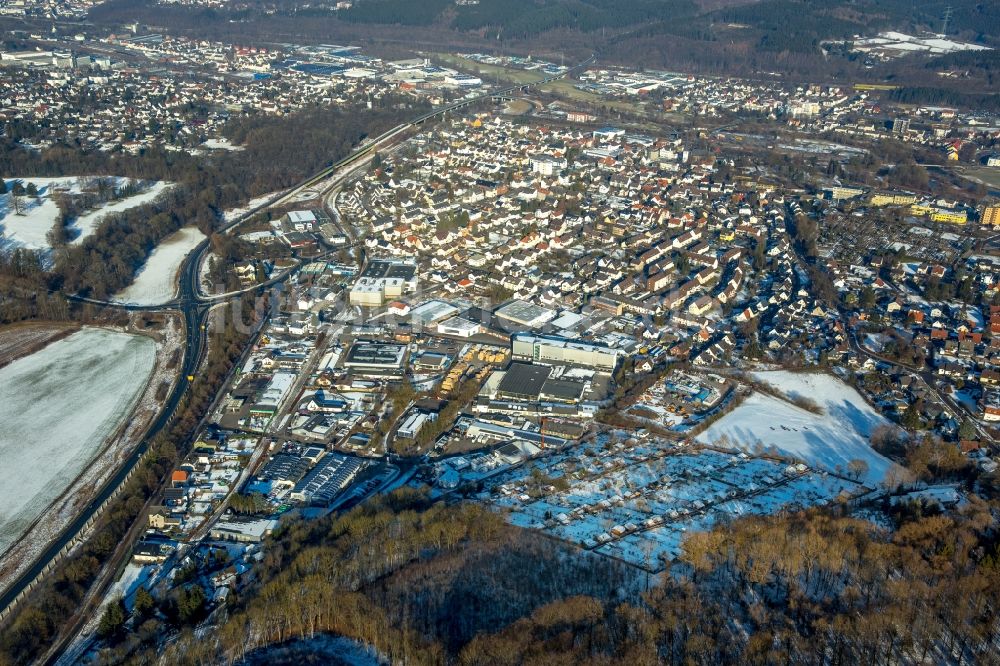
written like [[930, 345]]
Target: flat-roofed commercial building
[[373, 292], [242, 530], [525, 314], [431, 312], [523, 381], [394, 269], [552, 350], [525, 389], [368, 356], [562, 390], [413, 424], [325, 481], [384, 280], [459, 327]]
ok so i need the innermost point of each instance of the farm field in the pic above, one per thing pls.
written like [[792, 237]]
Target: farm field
[[58, 407], [22, 339], [988, 176], [488, 72], [156, 281]]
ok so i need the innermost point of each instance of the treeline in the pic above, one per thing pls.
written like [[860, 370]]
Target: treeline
[[427, 583], [792, 25], [106, 262], [526, 18], [38, 619], [988, 61], [24, 292], [973, 20], [252, 504], [68, 160], [946, 97], [800, 25], [782, 36], [703, 47], [513, 19], [402, 12], [926, 458], [786, 36], [806, 589], [279, 153], [779, 25], [416, 580]]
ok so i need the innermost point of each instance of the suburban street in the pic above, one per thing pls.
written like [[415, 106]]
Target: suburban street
[[194, 306]]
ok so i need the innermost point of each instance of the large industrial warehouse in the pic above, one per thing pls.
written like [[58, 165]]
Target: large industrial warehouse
[[551, 350]]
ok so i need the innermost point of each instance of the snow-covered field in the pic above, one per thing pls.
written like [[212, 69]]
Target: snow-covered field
[[221, 143], [57, 407], [827, 441], [30, 229], [156, 281], [133, 577], [86, 224], [233, 214]]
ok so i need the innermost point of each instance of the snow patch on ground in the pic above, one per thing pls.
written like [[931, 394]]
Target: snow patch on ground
[[87, 224], [203, 268], [233, 214], [221, 144], [133, 577], [827, 441], [58, 406], [30, 229], [967, 400], [156, 281], [875, 342], [326, 648]]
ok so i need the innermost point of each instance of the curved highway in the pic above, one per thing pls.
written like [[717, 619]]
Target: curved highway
[[193, 354], [194, 306]]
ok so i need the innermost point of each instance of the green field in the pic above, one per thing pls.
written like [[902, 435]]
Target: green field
[[567, 90], [518, 107], [488, 73], [989, 176], [562, 88]]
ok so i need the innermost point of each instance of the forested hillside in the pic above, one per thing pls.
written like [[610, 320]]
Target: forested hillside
[[754, 38], [432, 584]]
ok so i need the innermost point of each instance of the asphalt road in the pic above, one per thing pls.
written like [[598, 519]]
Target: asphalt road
[[194, 307], [194, 316]]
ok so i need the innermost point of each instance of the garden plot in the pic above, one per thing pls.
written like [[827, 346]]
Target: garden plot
[[30, 229], [639, 506], [830, 440], [156, 281], [58, 406]]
